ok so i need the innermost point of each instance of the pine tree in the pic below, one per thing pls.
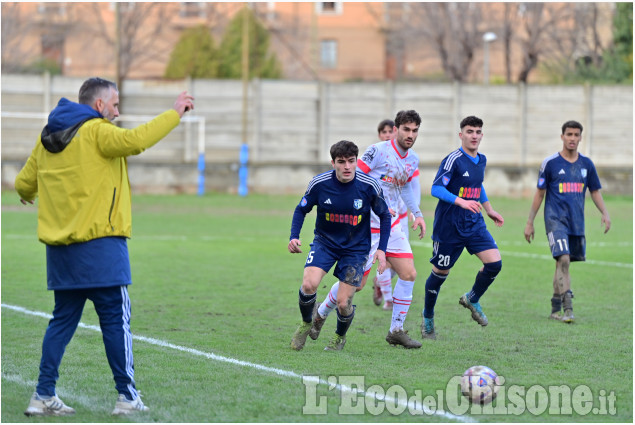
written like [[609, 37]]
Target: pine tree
[[194, 55], [262, 63]]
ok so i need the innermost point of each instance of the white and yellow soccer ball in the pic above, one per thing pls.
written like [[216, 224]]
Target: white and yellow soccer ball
[[480, 384]]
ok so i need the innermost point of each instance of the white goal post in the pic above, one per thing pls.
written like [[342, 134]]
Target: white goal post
[[188, 154]]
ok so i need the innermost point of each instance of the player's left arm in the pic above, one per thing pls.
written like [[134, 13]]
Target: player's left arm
[[409, 199], [599, 203], [26, 180], [416, 189], [498, 219], [380, 259], [380, 208]]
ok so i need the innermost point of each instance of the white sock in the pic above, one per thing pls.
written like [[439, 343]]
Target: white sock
[[384, 281], [330, 302], [402, 298]]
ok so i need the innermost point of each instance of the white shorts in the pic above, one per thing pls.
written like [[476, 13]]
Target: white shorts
[[398, 246]]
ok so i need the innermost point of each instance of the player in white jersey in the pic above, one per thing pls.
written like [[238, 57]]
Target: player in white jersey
[[393, 164], [382, 282]]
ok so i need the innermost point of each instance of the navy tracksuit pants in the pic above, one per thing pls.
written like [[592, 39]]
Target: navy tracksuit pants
[[112, 305]]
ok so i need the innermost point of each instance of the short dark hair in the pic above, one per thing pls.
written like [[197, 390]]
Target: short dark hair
[[385, 123], [344, 149], [404, 117], [92, 88], [472, 121], [571, 124]]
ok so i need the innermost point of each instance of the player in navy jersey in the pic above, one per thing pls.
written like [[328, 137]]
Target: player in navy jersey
[[564, 177], [392, 164], [458, 224], [344, 200]]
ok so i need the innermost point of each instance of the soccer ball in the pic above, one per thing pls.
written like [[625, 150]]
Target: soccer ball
[[480, 384]]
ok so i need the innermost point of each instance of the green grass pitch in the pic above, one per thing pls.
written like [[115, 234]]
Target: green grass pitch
[[215, 297]]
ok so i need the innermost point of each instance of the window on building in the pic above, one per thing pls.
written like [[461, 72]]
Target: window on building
[[328, 54], [52, 9], [329, 7], [192, 10]]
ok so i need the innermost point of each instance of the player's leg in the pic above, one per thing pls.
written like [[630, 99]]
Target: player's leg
[[383, 283], [345, 313], [402, 298], [324, 309], [319, 261], [306, 301], [350, 270], [113, 309], [377, 292], [565, 249], [443, 258], [382, 288], [329, 304], [67, 313], [484, 247], [577, 249]]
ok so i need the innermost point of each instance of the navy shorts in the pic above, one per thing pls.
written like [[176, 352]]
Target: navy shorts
[[563, 244], [445, 254], [349, 265]]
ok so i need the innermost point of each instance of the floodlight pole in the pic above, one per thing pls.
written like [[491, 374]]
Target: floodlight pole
[[488, 37]]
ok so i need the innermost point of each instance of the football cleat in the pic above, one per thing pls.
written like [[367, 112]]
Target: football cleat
[[555, 316], [123, 406], [568, 316], [316, 326], [51, 406], [427, 329], [299, 337], [400, 337], [336, 343], [477, 312]]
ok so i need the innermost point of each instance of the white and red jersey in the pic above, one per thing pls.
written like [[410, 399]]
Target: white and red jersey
[[393, 171]]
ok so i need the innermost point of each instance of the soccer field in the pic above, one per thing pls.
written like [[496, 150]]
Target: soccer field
[[214, 306]]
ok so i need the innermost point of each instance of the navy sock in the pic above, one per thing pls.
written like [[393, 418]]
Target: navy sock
[[344, 322], [484, 279], [433, 286], [306, 305]]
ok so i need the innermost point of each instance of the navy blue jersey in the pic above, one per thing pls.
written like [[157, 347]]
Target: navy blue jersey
[[462, 177], [566, 184], [343, 212]]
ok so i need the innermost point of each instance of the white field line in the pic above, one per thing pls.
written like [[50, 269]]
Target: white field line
[[64, 395], [184, 238], [414, 243], [262, 368], [544, 257]]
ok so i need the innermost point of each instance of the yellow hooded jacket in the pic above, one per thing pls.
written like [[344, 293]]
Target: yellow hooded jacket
[[84, 191]]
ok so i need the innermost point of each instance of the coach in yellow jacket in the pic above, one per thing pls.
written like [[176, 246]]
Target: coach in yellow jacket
[[78, 169]]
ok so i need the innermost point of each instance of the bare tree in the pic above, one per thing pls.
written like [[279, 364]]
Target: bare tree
[[452, 29], [34, 31], [14, 24], [509, 13], [140, 36], [550, 32]]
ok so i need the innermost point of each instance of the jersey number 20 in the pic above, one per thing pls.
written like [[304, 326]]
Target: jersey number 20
[[444, 260]]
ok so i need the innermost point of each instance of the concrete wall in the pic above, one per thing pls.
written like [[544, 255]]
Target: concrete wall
[[291, 125]]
